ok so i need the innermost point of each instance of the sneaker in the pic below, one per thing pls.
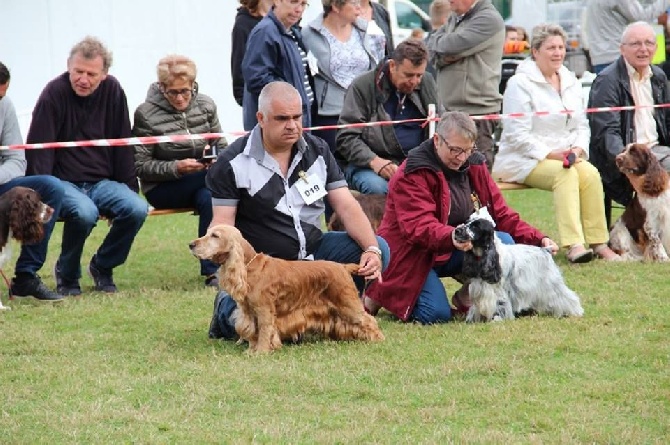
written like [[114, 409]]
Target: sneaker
[[33, 287], [215, 331], [63, 286], [104, 282], [212, 281]]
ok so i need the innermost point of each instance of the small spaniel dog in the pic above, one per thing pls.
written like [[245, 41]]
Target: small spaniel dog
[[373, 207], [279, 300], [511, 279], [22, 217], [643, 230]]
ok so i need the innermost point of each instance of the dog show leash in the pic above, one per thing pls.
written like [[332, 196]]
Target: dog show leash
[[9, 286], [252, 259]]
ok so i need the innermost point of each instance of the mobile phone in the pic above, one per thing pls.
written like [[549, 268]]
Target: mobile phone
[[209, 154], [207, 159]]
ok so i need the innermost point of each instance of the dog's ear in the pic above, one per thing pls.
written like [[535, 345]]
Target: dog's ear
[[24, 218], [491, 271], [655, 179], [233, 272]]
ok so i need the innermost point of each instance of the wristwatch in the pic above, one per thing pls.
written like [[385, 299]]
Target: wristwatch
[[374, 249]]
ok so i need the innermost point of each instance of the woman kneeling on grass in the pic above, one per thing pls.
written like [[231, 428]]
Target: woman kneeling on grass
[[440, 184]]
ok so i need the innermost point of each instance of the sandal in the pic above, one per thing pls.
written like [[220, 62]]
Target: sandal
[[577, 254], [603, 251]]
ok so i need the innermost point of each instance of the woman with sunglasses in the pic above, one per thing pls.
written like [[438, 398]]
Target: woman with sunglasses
[[172, 174], [551, 152]]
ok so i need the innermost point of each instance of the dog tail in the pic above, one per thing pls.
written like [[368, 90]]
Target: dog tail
[[351, 268]]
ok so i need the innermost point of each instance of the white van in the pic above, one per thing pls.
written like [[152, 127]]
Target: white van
[[404, 17]]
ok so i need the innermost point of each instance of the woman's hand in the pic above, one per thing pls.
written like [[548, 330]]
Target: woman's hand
[[464, 246], [550, 245], [189, 165]]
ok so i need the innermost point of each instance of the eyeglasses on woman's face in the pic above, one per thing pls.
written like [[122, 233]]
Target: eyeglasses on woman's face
[[173, 94], [457, 151]]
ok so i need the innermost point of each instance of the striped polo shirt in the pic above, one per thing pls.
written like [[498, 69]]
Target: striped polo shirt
[[271, 213]]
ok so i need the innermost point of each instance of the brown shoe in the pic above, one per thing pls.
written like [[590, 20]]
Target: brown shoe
[[578, 254], [370, 305]]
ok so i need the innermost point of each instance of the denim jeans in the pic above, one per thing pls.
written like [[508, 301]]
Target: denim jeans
[[335, 246], [51, 191], [365, 180], [82, 205], [432, 306], [187, 191]]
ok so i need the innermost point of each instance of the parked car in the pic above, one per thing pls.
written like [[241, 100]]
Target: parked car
[[405, 16]]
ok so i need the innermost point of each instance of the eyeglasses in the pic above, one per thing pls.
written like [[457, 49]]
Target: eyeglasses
[[651, 44], [457, 151], [296, 3], [355, 3], [173, 94]]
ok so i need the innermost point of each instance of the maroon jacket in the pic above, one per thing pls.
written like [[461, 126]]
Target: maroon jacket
[[415, 224]]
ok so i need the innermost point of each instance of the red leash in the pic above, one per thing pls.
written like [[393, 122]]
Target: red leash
[[9, 286]]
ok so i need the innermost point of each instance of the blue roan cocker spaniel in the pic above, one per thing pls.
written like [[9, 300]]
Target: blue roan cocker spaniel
[[511, 279]]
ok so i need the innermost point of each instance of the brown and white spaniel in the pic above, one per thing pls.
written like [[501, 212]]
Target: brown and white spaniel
[[22, 217], [281, 300], [643, 231]]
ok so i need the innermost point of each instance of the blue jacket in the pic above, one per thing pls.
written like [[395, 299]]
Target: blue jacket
[[272, 55]]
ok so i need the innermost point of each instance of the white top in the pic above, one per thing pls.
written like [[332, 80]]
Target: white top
[[527, 140]]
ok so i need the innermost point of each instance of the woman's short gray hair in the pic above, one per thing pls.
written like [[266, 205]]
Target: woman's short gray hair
[[543, 31], [457, 122]]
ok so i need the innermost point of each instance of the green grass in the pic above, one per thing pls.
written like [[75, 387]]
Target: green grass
[[137, 367]]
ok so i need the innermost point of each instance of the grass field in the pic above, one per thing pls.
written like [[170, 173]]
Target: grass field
[[137, 367]]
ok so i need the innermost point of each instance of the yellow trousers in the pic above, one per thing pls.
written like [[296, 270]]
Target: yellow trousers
[[579, 206]]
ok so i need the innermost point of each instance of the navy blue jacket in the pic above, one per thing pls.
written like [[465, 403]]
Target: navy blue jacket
[[272, 55], [60, 115]]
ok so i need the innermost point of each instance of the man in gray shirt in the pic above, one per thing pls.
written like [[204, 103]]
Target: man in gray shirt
[[26, 283], [467, 53]]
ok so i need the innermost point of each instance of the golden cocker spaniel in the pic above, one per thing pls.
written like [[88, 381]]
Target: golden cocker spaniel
[[279, 299]]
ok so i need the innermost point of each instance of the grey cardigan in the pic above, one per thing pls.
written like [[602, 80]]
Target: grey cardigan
[[467, 55], [328, 93]]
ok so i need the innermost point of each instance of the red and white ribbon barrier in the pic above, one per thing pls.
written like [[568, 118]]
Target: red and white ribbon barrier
[[147, 140]]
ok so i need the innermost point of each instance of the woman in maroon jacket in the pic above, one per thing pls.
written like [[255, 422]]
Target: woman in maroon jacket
[[436, 189]]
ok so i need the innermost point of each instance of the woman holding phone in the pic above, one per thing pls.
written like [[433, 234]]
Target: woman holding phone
[[172, 174]]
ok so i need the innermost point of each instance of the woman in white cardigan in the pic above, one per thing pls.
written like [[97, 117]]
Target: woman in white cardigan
[[550, 152]]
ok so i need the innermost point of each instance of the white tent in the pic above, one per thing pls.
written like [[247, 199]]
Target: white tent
[[37, 35]]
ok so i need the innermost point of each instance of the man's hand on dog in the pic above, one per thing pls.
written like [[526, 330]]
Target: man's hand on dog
[[370, 266]]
